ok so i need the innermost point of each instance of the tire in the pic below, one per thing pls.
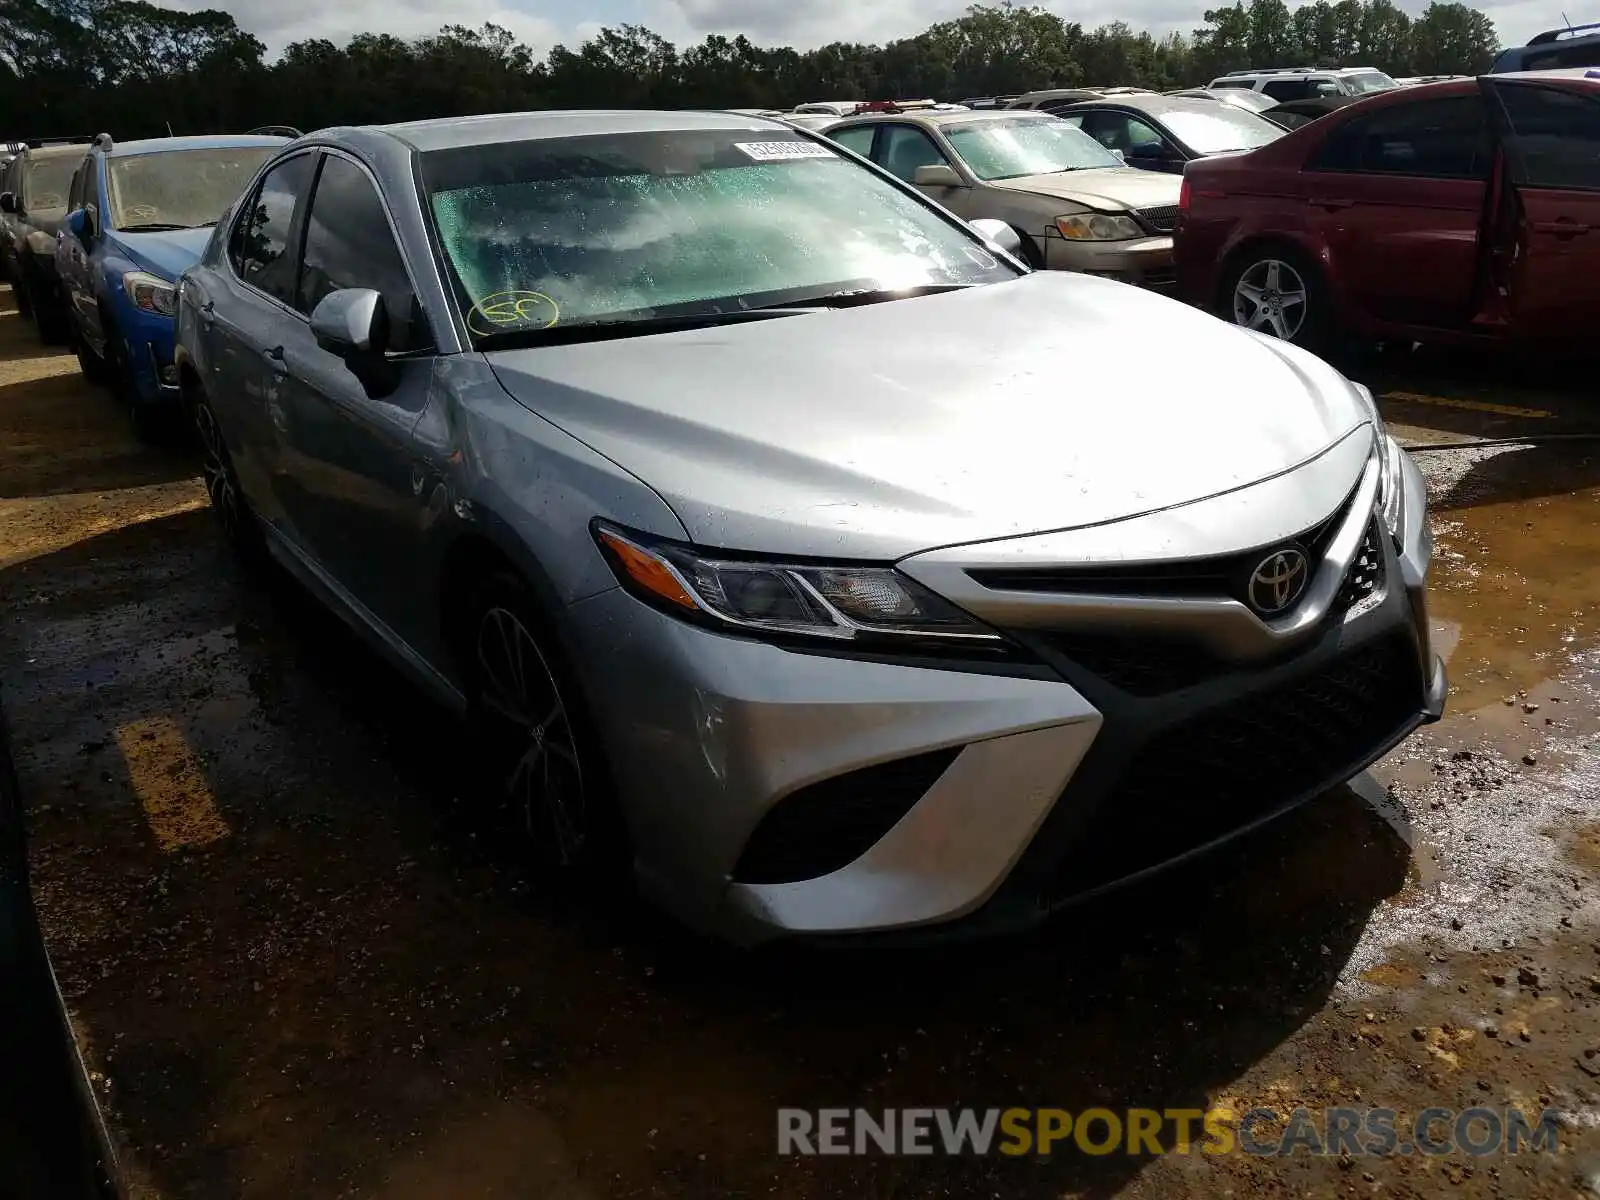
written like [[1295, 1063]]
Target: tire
[[533, 742], [19, 288], [1279, 292], [95, 369], [239, 528], [48, 320]]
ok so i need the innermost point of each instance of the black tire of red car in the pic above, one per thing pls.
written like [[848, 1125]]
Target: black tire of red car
[[534, 746], [1314, 329]]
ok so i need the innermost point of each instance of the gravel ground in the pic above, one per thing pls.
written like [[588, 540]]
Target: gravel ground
[[300, 963]]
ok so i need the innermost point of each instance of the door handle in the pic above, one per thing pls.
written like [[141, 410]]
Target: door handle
[[1332, 204], [274, 357], [1562, 229], [208, 311]]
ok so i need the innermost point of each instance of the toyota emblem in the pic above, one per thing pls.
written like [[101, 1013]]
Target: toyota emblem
[[1278, 581]]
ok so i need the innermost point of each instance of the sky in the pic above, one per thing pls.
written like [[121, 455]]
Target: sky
[[799, 23]]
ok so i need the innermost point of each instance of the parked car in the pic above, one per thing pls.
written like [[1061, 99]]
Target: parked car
[[829, 108], [1161, 133], [35, 204], [139, 215], [1072, 202], [1243, 97], [1569, 46], [1297, 83], [1410, 216], [811, 121], [937, 631], [1050, 99], [1292, 114]]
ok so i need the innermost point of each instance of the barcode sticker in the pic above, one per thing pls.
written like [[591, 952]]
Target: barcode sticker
[[782, 151]]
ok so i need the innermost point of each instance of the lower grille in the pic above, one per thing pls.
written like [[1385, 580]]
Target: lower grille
[[1218, 771], [830, 824], [1139, 665], [1363, 582]]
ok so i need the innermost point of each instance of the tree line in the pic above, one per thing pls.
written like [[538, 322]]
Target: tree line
[[76, 67]]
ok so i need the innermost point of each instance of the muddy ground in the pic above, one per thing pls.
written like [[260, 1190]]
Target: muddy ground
[[301, 964]]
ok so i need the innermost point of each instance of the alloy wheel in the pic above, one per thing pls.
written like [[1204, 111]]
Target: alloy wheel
[[1270, 296], [536, 746], [217, 469]]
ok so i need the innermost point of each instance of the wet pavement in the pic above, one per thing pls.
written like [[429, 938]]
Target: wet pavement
[[301, 963]]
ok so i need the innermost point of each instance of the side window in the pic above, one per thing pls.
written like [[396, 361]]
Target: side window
[[1557, 135], [1119, 131], [1433, 139], [260, 247], [1288, 89], [857, 138], [1586, 54], [349, 245], [905, 148]]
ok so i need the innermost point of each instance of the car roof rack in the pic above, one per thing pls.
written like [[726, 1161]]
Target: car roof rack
[[288, 131], [45, 143], [1555, 35], [102, 141]]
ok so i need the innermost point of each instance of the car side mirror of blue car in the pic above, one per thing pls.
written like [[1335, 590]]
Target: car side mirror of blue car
[[78, 224]]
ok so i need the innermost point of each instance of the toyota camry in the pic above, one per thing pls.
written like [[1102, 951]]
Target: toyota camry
[[781, 536]]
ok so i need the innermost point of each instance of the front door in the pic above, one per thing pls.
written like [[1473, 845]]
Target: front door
[[73, 259], [358, 490], [1397, 197], [901, 149], [1553, 153]]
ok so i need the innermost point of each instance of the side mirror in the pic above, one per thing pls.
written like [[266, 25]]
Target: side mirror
[[8, 202], [79, 225], [1147, 152], [353, 324], [1000, 234], [936, 175]]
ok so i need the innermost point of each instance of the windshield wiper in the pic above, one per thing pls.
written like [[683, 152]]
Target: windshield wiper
[[601, 331], [851, 298], [151, 227]]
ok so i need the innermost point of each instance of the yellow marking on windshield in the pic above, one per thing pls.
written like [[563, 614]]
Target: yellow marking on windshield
[[512, 310]]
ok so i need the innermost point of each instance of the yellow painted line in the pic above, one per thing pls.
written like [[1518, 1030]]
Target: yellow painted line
[[1504, 410], [170, 782]]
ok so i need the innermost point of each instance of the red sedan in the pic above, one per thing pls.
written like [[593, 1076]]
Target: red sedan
[[1466, 211]]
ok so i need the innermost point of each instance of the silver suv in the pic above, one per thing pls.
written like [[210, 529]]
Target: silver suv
[[1301, 83]]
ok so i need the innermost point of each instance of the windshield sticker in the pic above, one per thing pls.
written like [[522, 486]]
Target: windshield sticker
[[783, 151], [505, 311]]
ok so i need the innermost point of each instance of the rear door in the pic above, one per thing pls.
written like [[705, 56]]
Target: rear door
[[1396, 196], [243, 326], [1553, 160]]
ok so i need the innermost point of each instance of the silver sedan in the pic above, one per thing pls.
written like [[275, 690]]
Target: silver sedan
[[780, 536]]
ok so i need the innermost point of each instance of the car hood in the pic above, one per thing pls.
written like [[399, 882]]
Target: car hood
[[168, 254], [1051, 402], [1106, 188]]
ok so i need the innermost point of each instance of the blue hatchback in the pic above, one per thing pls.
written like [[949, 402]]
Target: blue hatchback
[[139, 215]]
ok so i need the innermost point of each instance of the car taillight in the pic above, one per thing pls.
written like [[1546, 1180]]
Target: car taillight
[[1183, 195]]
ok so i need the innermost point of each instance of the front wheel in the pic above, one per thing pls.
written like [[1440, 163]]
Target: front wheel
[[1277, 293], [534, 744]]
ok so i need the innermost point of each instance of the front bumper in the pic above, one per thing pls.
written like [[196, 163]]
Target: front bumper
[[1145, 261], [148, 341], [777, 793]]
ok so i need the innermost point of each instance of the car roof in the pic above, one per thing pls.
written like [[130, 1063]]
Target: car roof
[[967, 117], [1590, 75], [62, 150], [210, 141], [445, 133], [1153, 103]]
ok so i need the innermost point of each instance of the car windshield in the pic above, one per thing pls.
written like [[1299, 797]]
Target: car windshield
[[629, 228], [1362, 82], [1010, 149], [1219, 128], [180, 189], [49, 180]]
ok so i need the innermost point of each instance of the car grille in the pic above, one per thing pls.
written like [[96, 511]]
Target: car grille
[[1222, 576], [1220, 770], [1162, 218], [1363, 582], [830, 824]]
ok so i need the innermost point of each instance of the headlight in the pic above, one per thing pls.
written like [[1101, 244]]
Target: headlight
[[1391, 480], [1098, 227], [836, 603], [151, 292]]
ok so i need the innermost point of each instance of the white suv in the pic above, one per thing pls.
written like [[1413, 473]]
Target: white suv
[[1300, 83]]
